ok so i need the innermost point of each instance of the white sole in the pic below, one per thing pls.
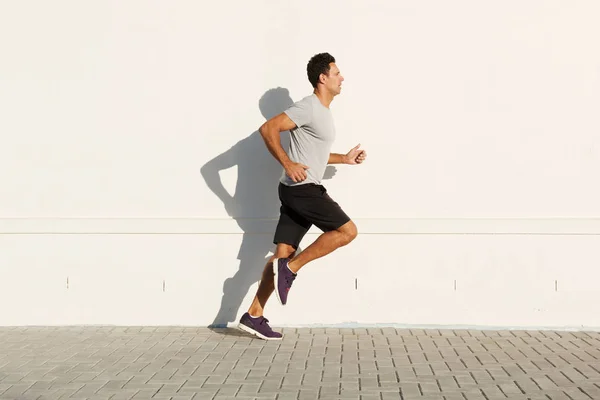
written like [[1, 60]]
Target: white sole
[[255, 333], [275, 273]]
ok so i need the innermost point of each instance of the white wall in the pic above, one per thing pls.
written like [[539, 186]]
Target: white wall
[[130, 190]]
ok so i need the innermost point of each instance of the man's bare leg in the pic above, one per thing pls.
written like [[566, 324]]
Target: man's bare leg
[[266, 286], [325, 244]]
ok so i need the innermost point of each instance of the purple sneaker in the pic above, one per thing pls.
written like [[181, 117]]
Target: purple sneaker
[[259, 327], [284, 278]]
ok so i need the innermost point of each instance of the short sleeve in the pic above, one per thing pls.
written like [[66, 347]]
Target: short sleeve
[[300, 112]]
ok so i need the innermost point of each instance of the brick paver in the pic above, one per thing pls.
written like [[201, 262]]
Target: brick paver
[[354, 364]]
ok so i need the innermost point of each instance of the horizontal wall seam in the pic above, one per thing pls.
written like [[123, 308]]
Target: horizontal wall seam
[[260, 226]]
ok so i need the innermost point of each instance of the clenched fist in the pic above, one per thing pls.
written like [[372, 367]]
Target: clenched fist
[[296, 171], [356, 156]]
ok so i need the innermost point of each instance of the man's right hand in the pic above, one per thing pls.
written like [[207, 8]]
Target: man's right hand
[[296, 172]]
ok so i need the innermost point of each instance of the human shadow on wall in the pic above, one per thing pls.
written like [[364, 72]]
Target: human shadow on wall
[[254, 205]]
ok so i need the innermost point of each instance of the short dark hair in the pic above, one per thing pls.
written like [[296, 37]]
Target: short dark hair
[[317, 65]]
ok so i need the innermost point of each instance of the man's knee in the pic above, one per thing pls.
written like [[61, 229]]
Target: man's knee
[[349, 232]]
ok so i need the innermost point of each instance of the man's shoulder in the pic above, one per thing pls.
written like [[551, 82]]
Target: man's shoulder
[[301, 112]]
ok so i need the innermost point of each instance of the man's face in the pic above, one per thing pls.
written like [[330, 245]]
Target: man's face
[[333, 82]]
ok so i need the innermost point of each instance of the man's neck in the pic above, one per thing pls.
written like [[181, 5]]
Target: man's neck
[[324, 97]]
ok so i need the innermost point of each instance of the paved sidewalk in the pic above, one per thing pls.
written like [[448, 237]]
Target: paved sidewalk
[[359, 364]]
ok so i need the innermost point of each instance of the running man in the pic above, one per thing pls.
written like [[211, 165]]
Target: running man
[[304, 200]]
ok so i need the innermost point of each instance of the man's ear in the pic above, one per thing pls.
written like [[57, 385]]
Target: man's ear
[[322, 78]]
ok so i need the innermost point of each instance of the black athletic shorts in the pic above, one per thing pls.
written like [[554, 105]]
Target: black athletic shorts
[[305, 205]]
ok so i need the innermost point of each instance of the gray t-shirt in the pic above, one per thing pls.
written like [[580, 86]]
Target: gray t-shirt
[[311, 140]]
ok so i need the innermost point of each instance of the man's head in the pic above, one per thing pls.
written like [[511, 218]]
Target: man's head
[[322, 71]]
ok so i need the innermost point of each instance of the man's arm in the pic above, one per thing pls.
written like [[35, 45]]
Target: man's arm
[[271, 134], [335, 158], [354, 156]]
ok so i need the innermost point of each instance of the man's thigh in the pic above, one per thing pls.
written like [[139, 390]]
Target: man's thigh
[[313, 204], [291, 227]]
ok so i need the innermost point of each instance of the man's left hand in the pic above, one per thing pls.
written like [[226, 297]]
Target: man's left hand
[[356, 156]]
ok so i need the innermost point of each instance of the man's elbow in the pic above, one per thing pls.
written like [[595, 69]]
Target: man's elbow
[[266, 130]]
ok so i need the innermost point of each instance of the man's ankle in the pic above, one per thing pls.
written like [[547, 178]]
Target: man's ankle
[[292, 266], [255, 313]]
